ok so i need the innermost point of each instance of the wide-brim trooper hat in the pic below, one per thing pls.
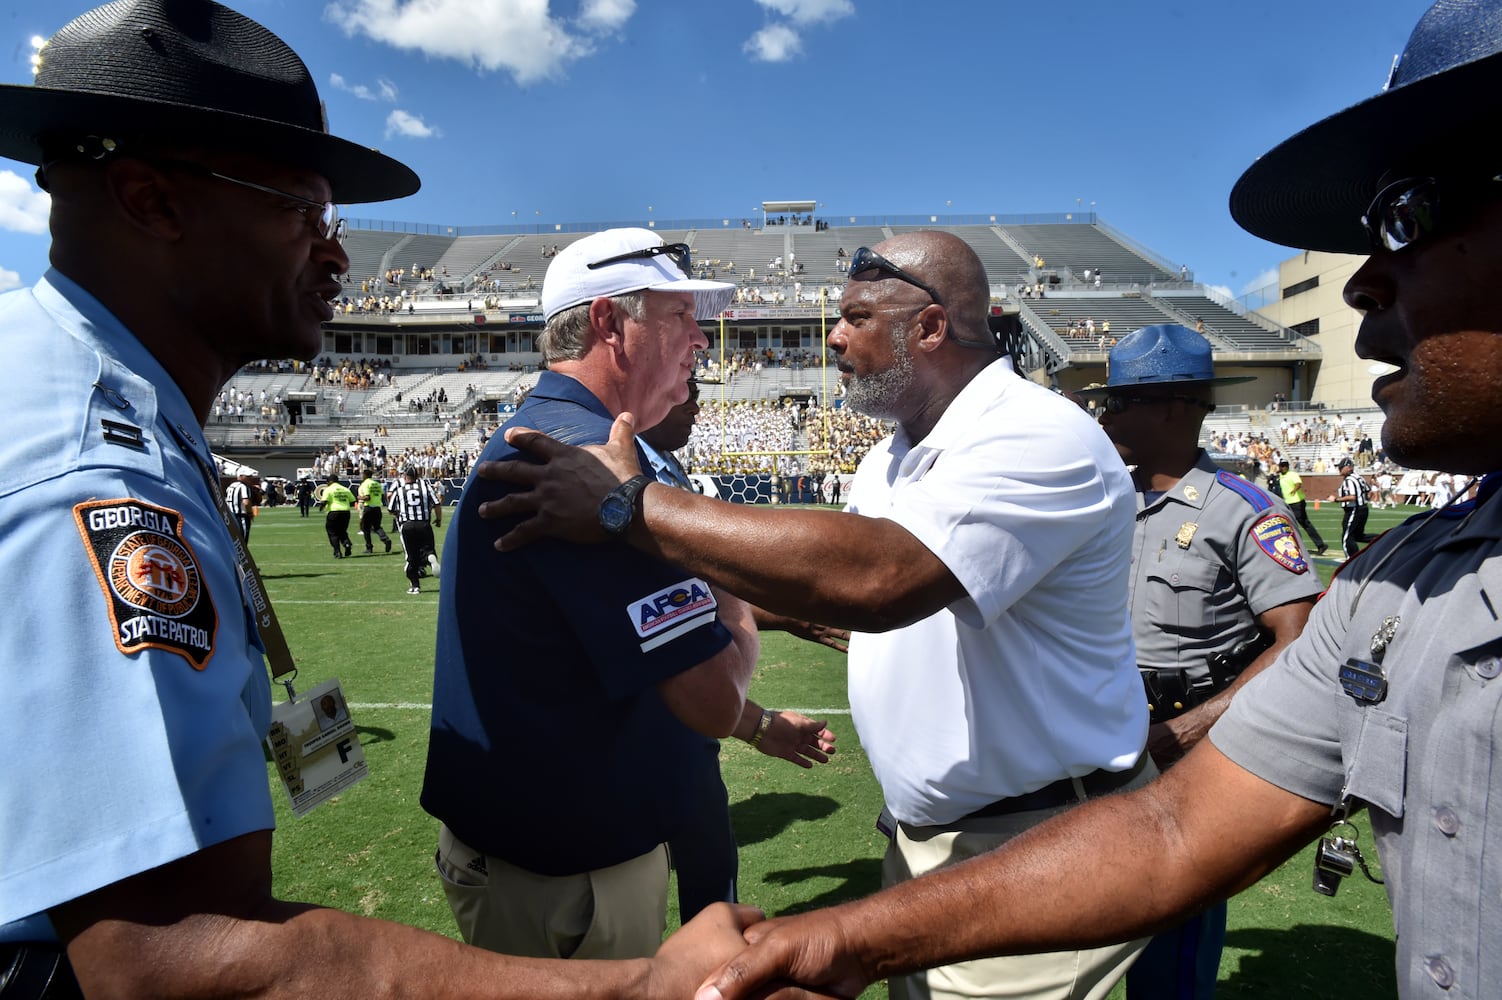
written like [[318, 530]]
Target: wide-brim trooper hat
[[188, 71], [1161, 355], [618, 261], [1438, 112]]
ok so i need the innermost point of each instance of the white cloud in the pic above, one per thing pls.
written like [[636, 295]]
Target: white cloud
[[1223, 290], [8, 280], [520, 37], [810, 11], [774, 43], [606, 16], [411, 126], [23, 209], [384, 90], [781, 40], [1261, 281]]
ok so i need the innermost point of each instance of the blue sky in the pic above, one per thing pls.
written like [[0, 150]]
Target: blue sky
[[546, 111]]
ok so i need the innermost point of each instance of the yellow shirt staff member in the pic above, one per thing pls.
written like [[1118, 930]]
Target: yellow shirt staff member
[[1291, 484], [338, 500]]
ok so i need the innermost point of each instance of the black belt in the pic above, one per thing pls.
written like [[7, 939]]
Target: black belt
[[1063, 792], [35, 971]]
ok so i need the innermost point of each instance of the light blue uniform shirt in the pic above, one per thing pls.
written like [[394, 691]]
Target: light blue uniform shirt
[[136, 695]]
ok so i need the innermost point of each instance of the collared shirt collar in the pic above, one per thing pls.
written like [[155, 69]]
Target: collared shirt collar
[[1197, 481], [78, 311]]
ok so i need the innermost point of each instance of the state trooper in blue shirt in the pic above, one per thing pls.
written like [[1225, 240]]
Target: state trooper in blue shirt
[[186, 152]]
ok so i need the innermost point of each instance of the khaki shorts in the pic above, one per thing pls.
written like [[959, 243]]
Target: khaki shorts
[[1061, 975], [615, 912]]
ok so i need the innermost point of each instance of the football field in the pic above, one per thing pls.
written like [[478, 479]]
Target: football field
[[806, 837]]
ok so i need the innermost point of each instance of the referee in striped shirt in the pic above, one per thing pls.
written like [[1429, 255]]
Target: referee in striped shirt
[[1355, 500], [412, 503]]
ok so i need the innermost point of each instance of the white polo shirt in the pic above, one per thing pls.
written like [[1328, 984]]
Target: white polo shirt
[[1032, 677]]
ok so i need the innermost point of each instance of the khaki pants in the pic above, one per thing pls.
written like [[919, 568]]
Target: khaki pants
[[615, 912], [1065, 975]]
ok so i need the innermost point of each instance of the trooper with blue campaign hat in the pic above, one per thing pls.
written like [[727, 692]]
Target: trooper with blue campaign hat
[[1163, 353], [1219, 586], [1387, 703], [187, 152]]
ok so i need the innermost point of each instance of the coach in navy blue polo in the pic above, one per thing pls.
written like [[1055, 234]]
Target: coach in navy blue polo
[[560, 668]]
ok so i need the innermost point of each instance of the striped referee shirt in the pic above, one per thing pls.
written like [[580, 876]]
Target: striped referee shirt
[[1355, 485], [237, 496], [411, 501]]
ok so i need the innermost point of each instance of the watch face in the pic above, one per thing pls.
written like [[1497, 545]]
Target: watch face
[[615, 513]]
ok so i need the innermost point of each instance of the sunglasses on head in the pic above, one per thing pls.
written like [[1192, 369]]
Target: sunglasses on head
[[866, 259], [1410, 209], [678, 253]]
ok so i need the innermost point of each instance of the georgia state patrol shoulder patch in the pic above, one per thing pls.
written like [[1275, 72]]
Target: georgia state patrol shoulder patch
[[1276, 535], [156, 594]]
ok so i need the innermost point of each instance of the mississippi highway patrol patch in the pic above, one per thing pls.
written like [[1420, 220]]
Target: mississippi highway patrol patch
[[1276, 535], [156, 593]]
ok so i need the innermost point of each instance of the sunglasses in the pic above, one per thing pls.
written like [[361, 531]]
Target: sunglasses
[[866, 259], [678, 253], [1407, 210], [323, 216], [1120, 404]]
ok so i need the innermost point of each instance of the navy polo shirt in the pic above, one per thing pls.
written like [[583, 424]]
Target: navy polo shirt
[[550, 747]]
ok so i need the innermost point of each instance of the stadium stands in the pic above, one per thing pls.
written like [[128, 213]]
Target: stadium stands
[[496, 274]]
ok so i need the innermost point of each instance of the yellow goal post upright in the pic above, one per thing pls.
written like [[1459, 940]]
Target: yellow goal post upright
[[823, 386]]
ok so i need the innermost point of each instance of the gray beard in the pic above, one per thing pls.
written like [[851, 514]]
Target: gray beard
[[880, 394]]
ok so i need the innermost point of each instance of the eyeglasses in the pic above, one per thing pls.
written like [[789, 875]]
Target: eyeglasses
[[1120, 404], [678, 253], [866, 259], [1407, 210], [323, 216]]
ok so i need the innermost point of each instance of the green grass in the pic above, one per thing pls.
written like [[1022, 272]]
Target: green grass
[[807, 837]]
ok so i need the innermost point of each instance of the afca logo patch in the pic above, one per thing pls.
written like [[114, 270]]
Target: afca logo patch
[[150, 577], [672, 606]]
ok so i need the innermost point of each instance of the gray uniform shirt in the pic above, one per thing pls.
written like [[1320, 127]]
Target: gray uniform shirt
[[1208, 557], [1425, 758]]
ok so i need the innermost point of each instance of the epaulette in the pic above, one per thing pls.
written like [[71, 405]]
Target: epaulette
[[1249, 492]]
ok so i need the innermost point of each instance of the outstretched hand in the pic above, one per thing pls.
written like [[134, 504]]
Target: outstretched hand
[[559, 494], [795, 737]]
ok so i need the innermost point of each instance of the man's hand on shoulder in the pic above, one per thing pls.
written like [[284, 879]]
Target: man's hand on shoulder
[[558, 495]]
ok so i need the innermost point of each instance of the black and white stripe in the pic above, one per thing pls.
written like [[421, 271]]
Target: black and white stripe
[[411, 501], [1355, 485]]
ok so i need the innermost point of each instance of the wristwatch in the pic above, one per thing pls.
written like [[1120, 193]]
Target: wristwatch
[[619, 505]]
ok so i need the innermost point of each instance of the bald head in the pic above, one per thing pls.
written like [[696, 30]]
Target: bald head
[[947, 264]]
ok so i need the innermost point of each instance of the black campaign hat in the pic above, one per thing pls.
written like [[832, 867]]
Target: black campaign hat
[[1439, 108], [192, 70]]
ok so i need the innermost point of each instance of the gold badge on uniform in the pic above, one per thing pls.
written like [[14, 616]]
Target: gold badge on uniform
[[1191, 494], [1186, 534]]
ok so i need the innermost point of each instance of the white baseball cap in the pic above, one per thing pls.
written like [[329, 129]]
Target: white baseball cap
[[618, 261]]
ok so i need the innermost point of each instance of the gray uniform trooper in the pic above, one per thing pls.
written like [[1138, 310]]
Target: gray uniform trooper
[[1209, 557], [1218, 582]]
